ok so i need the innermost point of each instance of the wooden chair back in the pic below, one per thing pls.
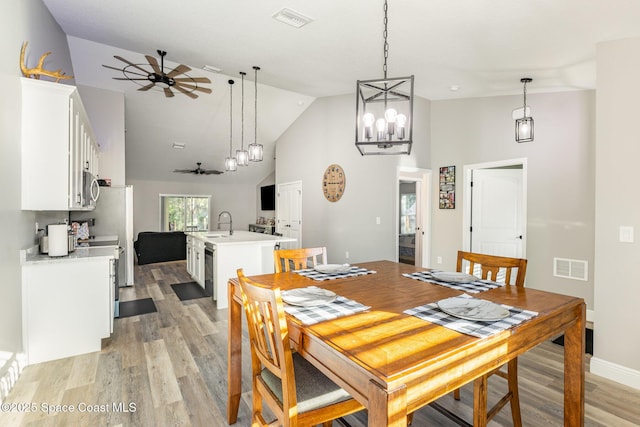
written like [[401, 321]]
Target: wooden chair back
[[490, 266], [269, 336], [296, 259]]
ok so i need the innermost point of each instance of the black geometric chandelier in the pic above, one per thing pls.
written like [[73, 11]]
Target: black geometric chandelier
[[384, 111]]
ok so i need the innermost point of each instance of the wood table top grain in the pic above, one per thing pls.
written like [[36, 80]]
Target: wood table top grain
[[395, 363]]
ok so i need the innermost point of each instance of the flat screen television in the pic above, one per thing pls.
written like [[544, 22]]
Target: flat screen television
[[268, 198]]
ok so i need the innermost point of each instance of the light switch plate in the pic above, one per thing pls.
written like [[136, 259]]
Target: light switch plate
[[626, 234]]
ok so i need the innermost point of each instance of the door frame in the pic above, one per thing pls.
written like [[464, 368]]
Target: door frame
[[424, 177], [467, 200]]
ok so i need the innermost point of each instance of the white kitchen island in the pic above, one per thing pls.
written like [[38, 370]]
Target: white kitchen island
[[253, 252]]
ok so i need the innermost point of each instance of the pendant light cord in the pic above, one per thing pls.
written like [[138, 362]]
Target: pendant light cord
[[385, 46], [230, 116], [255, 128], [242, 73]]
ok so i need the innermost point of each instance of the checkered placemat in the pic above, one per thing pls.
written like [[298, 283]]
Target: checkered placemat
[[473, 287], [316, 275], [339, 307], [431, 313]]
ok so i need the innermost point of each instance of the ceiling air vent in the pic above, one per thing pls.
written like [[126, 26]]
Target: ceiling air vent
[[571, 269], [291, 17]]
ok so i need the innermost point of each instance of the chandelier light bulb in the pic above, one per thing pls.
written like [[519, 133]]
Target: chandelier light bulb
[[368, 119], [381, 125], [390, 116], [401, 121]]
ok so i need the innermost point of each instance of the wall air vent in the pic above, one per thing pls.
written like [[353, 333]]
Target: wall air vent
[[291, 17], [571, 269]]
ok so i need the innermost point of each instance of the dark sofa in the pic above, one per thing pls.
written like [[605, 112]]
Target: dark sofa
[[155, 246]]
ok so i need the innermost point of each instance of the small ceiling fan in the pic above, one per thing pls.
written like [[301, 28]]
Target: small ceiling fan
[[199, 170], [157, 77]]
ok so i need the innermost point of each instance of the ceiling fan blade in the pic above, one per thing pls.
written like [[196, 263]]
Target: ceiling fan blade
[[168, 93], [147, 87], [180, 69], [131, 63], [184, 170], [192, 87], [192, 79], [154, 64], [124, 78], [212, 172], [129, 72], [186, 92]]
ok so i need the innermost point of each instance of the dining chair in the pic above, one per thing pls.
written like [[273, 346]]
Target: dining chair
[[298, 258], [297, 393], [496, 268]]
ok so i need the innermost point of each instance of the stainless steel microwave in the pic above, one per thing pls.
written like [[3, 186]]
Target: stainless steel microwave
[[90, 190]]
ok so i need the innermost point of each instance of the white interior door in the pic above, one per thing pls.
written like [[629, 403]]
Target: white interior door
[[497, 212], [289, 213]]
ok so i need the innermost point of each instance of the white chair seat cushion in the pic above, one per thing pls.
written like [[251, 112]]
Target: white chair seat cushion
[[314, 389]]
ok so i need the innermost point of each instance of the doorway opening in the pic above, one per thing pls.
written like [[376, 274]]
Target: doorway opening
[[413, 207], [495, 208]]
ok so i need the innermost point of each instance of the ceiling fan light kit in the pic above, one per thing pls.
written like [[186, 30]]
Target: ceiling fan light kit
[[199, 170], [384, 111], [156, 77], [524, 125]]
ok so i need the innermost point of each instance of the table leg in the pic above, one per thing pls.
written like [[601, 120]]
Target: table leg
[[574, 347], [234, 357], [480, 401], [387, 408]]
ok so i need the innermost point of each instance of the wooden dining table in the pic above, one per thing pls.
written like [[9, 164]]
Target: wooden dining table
[[394, 363]]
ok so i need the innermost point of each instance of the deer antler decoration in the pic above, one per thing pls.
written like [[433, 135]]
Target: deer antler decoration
[[38, 71]]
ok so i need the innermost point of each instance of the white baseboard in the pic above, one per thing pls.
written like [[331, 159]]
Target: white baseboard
[[591, 315], [618, 373]]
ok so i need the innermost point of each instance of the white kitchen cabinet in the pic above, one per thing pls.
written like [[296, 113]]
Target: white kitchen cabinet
[[190, 255], [195, 259], [57, 145], [67, 307], [198, 266]]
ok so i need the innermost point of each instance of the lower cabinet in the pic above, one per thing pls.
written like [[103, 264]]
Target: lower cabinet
[[195, 259], [67, 307]]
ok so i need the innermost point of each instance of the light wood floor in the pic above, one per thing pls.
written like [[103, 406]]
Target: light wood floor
[[171, 367]]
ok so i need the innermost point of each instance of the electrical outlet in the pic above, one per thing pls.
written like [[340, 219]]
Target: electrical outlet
[[37, 227], [377, 220], [346, 254], [439, 260]]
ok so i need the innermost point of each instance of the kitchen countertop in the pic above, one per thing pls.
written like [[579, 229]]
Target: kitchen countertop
[[239, 237], [31, 256]]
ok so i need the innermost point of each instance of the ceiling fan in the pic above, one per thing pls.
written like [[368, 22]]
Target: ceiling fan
[[153, 75], [199, 171]]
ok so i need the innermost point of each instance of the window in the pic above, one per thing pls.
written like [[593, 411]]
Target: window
[[184, 213], [407, 213]]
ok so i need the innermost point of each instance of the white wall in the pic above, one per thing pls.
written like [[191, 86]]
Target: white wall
[[239, 200], [560, 199], [105, 109], [324, 134], [616, 343], [19, 21]]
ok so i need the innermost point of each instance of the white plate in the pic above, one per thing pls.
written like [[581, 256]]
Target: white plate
[[453, 277], [309, 296], [332, 268], [473, 309]]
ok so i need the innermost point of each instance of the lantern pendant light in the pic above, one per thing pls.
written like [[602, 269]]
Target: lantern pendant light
[[524, 125], [230, 163], [242, 155], [255, 149], [387, 104]]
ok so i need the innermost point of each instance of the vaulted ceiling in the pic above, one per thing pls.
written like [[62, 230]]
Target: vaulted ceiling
[[477, 47]]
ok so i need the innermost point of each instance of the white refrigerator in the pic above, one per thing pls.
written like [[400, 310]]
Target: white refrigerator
[[113, 215]]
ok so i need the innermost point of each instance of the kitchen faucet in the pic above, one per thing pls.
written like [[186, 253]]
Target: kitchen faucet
[[230, 222]]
